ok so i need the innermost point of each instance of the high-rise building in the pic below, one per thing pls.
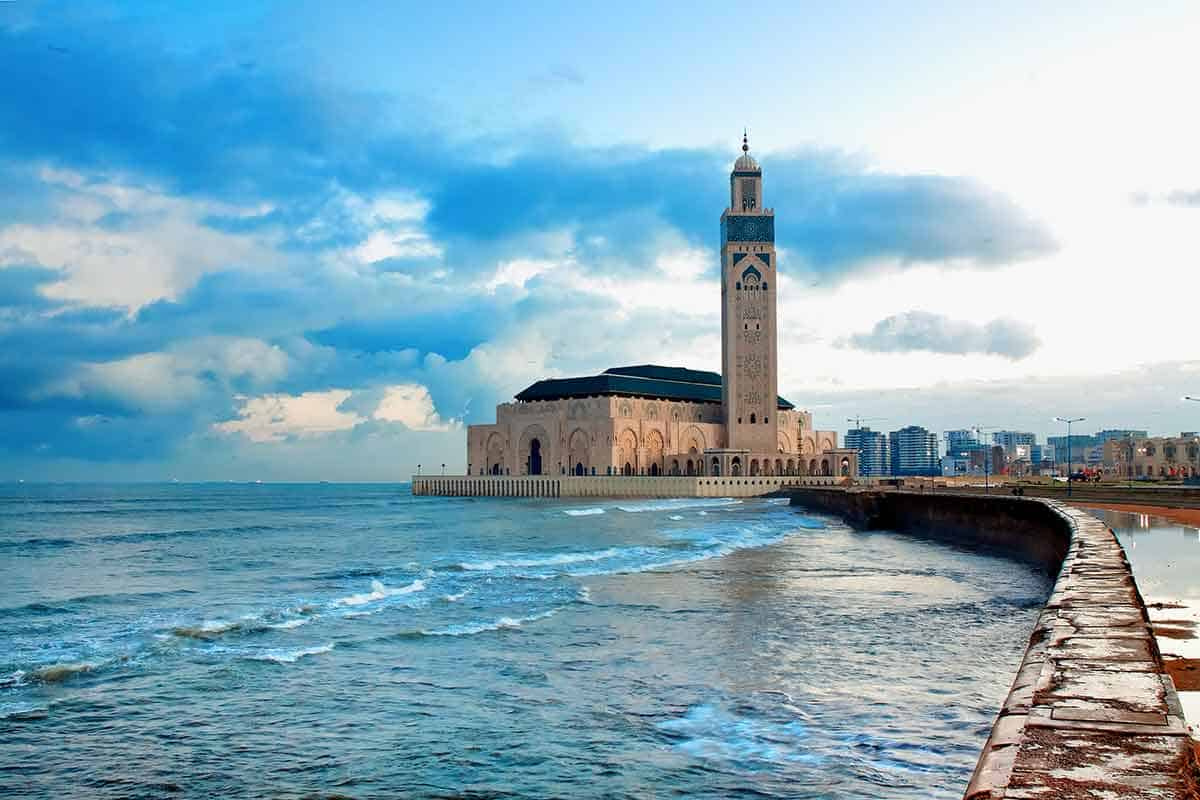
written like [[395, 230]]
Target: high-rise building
[[960, 441], [872, 447], [1010, 440], [913, 451]]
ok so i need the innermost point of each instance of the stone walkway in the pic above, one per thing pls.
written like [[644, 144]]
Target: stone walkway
[[1090, 714]]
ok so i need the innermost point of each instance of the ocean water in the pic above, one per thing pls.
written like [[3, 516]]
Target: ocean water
[[354, 641]]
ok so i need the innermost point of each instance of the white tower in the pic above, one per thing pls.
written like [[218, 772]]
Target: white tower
[[748, 339]]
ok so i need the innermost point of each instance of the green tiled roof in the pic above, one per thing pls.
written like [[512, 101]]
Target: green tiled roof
[[646, 380]]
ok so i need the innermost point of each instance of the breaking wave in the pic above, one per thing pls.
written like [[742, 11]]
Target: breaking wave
[[501, 624], [378, 592], [583, 512], [290, 656], [57, 673], [543, 561], [676, 504]]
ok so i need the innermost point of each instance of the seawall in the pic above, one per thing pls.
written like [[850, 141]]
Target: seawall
[[609, 485], [1091, 713]]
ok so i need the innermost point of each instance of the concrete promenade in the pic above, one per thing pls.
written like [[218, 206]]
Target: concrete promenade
[[1091, 713]]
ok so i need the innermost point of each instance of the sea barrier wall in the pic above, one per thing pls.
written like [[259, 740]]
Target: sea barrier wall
[[1091, 713], [610, 485]]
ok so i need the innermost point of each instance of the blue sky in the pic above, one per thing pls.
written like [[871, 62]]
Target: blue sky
[[312, 241]]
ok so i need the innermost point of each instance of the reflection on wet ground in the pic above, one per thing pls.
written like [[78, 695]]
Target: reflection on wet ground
[[1165, 557]]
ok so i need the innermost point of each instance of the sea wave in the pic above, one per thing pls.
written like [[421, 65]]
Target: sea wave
[[378, 592], [289, 624], [553, 560], [454, 598], [583, 512], [678, 503], [289, 656], [57, 673], [501, 624], [212, 629]]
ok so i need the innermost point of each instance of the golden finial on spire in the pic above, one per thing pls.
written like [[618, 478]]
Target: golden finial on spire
[[745, 140]]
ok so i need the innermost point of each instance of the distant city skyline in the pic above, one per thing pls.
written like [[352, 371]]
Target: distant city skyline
[[301, 241]]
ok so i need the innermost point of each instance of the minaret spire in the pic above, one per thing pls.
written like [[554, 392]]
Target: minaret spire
[[745, 140]]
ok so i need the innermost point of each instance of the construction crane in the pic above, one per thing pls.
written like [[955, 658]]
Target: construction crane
[[858, 421]]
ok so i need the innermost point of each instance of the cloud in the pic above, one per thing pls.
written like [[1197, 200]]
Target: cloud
[[1186, 199], [275, 417], [177, 231], [935, 333], [411, 406]]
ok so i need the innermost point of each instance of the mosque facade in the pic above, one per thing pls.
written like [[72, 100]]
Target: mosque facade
[[651, 420]]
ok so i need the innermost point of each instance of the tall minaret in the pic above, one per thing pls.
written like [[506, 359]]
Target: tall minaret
[[748, 343]]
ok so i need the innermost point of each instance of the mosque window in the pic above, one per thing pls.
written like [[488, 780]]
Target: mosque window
[[764, 286], [764, 419], [752, 420], [738, 286]]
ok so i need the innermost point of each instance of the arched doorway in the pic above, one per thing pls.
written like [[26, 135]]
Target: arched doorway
[[691, 467], [845, 468], [716, 467], [579, 468], [754, 467], [495, 469], [825, 466], [627, 469], [735, 466], [535, 457], [654, 470], [812, 467]]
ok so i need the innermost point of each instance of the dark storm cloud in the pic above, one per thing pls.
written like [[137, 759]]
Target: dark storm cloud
[[921, 330]]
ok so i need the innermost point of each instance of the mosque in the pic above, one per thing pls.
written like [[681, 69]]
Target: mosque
[[653, 420]]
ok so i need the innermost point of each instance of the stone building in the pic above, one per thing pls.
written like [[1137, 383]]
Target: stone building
[[655, 420], [1153, 457]]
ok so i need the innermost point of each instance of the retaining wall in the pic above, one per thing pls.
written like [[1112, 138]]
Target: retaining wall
[[1091, 713]]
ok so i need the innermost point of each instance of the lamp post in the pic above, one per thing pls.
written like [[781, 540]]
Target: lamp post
[[443, 469], [987, 455], [1069, 420]]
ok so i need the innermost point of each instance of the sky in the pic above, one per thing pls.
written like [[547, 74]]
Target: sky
[[315, 241]]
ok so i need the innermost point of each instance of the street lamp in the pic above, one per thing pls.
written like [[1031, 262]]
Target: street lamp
[[1069, 420]]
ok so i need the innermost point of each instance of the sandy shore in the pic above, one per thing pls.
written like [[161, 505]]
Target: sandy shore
[[1185, 516]]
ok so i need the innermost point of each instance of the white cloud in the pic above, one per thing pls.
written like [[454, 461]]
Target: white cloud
[[277, 417], [411, 405], [127, 245]]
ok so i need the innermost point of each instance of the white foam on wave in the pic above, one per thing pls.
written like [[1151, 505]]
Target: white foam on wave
[[503, 623], [585, 595], [290, 656], [675, 517], [679, 503], [379, 592], [289, 624], [557, 559], [454, 598], [583, 512]]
